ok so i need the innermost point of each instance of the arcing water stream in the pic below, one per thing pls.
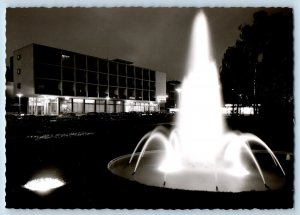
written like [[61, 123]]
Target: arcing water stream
[[200, 145]]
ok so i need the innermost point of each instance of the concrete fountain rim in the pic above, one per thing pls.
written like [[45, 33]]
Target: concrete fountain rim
[[278, 183]]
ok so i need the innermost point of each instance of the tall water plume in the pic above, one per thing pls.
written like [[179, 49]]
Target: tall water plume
[[200, 123], [200, 149]]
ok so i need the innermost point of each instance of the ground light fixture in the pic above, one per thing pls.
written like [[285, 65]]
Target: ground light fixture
[[44, 185], [45, 181]]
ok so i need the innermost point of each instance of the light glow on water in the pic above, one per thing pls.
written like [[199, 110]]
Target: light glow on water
[[200, 140]]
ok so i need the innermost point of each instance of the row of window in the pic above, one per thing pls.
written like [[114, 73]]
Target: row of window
[[47, 55], [53, 87], [92, 78], [56, 72], [113, 81]]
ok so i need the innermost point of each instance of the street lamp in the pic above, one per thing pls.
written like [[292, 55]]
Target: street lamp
[[19, 95], [107, 98]]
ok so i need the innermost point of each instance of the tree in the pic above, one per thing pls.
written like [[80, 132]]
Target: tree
[[259, 68]]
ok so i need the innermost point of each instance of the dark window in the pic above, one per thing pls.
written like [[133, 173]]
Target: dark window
[[113, 68], [47, 55], [68, 74], [103, 79], [146, 85], [92, 63], [145, 74], [138, 73], [152, 85], [80, 75], [113, 92], [92, 77], [50, 87], [18, 71], [103, 91], [103, 66], [130, 71], [80, 61], [138, 94], [122, 69], [54, 57], [47, 71], [67, 59], [145, 95], [18, 57], [138, 84], [131, 93], [19, 85], [152, 75], [122, 81], [92, 90], [113, 80], [80, 90], [130, 82], [68, 88], [122, 93], [152, 96]]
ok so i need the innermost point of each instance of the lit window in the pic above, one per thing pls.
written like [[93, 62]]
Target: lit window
[[89, 101], [78, 100], [18, 71], [65, 56], [18, 57]]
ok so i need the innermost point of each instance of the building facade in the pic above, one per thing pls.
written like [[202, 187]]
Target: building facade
[[58, 81]]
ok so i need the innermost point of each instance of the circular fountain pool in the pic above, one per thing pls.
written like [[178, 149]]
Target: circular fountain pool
[[193, 178], [200, 152]]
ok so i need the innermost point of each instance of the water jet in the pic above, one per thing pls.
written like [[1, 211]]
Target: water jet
[[200, 152]]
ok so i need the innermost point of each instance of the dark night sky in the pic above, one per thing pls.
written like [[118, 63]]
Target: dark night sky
[[155, 38]]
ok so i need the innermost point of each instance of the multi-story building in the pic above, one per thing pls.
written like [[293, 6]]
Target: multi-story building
[[59, 81], [173, 92]]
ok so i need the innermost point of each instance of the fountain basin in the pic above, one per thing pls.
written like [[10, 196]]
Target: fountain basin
[[194, 178]]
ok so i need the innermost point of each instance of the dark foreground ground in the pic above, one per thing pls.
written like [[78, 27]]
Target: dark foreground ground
[[80, 149]]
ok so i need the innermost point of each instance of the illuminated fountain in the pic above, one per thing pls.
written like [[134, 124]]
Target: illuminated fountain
[[199, 153]]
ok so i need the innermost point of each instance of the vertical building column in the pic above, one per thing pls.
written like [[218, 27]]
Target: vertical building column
[[95, 103], [45, 106], [58, 103], [115, 106], [28, 107], [57, 106], [105, 106], [83, 108], [123, 106], [72, 105]]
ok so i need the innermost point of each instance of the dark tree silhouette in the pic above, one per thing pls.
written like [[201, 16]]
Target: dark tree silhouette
[[259, 68]]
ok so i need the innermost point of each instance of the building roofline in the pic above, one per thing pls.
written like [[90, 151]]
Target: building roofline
[[117, 60]]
